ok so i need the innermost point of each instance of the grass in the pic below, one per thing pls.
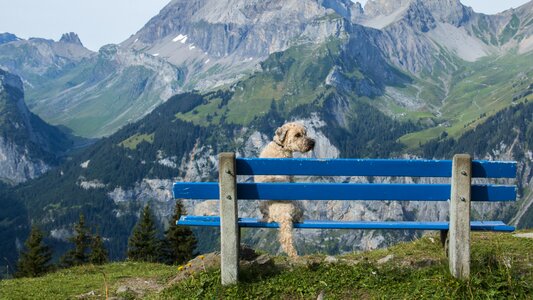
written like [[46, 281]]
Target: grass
[[136, 139], [502, 268], [69, 283]]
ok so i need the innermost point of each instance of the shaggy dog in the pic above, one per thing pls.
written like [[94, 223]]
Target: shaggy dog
[[289, 138]]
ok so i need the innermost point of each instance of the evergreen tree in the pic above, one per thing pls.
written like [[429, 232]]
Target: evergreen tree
[[34, 261], [143, 243], [99, 254], [178, 245], [82, 240]]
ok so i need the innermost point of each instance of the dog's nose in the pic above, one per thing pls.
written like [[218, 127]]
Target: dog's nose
[[312, 143]]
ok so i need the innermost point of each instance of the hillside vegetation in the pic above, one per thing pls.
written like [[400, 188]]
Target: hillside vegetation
[[502, 267]]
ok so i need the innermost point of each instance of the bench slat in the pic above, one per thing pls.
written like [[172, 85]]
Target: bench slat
[[342, 191], [369, 167], [214, 221]]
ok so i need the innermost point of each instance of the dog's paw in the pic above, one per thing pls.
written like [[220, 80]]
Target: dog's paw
[[265, 219]]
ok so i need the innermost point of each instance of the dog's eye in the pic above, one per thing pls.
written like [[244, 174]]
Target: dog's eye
[[298, 135]]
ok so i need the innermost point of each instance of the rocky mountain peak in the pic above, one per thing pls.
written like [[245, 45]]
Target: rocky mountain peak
[[444, 11], [71, 38], [346, 8], [179, 14], [7, 37], [384, 7], [448, 11]]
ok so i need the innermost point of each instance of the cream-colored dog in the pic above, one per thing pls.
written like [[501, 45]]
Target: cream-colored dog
[[289, 138]]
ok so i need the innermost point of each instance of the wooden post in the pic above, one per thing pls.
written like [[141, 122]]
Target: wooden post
[[229, 228], [459, 235]]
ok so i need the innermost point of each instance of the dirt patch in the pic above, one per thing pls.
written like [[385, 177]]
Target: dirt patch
[[528, 235], [138, 287]]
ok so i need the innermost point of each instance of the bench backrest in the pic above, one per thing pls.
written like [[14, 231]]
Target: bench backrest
[[355, 191]]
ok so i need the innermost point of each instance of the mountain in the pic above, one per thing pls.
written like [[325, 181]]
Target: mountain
[[205, 45], [35, 60], [106, 91], [28, 146], [7, 37], [179, 140], [218, 42], [92, 94]]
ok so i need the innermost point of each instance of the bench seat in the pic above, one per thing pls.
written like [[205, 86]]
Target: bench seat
[[214, 221]]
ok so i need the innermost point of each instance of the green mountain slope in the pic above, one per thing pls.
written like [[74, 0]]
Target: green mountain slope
[[105, 92], [476, 91]]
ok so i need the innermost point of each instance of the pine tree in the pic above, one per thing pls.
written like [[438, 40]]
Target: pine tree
[[34, 261], [99, 253], [178, 245], [82, 239], [143, 243]]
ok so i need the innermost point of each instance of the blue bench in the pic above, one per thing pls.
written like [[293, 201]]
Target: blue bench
[[460, 192]]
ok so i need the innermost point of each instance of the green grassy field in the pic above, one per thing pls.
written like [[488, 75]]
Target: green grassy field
[[502, 268]]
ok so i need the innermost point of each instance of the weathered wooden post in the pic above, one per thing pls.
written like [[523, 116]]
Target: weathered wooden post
[[459, 234], [229, 228]]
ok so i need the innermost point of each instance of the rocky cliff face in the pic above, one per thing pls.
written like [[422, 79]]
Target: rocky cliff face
[[219, 41], [28, 146], [16, 165], [415, 32]]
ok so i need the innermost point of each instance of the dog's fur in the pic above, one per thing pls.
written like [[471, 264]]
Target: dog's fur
[[289, 138]]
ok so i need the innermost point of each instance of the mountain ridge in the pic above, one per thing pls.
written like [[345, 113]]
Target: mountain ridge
[[206, 45]]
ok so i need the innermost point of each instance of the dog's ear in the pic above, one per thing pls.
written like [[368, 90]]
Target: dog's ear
[[280, 135]]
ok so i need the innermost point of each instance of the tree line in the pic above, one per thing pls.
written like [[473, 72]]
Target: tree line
[[176, 247]]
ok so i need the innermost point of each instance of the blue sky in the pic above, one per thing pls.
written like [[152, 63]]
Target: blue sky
[[100, 22]]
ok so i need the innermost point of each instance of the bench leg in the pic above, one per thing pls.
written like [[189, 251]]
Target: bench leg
[[459, 235], [229, 227]]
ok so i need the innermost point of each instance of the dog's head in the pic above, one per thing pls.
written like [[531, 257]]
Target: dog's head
[[293, 137]]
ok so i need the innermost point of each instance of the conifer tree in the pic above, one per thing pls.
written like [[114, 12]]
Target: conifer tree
[[99, 253], [143, 243], [82, 240], [34, 260], [179, 243]]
